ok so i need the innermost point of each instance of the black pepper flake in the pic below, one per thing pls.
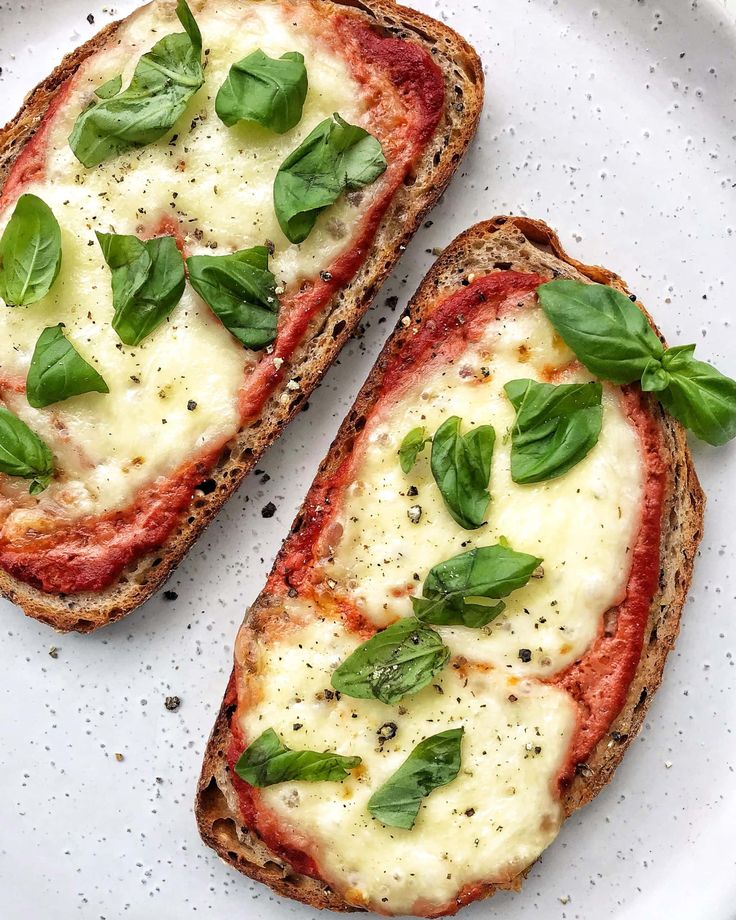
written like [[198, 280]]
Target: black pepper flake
[[170, 595], [192, 405], [386, 732], [296, 726], [469, 813], [412, 491], [90, 18], [172, 703], [525, 654], [268, 510], [325, 276], [293, 593]]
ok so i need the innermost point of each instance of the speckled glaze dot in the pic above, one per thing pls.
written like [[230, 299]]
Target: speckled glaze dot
[[615, 122]]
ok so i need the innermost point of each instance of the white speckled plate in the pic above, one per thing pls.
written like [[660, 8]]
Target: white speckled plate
[[616, 122]]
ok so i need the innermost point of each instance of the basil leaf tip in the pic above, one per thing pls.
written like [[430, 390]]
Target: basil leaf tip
[[241, 291], [23, 453], [58, 371], [267, 761], [30, 252], [148, 281], [454, 590], [164, 81], [110, 88], [335, 157], [268, 91], [461, 466], [433, 763], [556, 427], [399, 660], [411, 447]]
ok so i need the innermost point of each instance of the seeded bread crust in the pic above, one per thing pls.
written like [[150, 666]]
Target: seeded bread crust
[[501, 244], [464, 83]]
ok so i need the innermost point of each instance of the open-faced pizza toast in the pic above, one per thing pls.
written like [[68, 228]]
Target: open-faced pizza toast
[[288, 150], [395, 736]]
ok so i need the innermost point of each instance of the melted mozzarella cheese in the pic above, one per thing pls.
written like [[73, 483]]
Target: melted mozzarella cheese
[[217, 184], [582, 525], [488, 824]]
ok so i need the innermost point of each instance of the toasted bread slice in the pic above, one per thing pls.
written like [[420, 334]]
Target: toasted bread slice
[[502, 244], [463, 75]]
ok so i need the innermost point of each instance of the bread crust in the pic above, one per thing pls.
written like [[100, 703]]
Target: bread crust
[[503, 243], [464, 83]]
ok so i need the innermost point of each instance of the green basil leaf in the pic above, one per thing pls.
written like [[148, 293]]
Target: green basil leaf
[[654, 378], [58, 371], [401, 659], [608, 333], [698, 395], [555, 428], [23, 453], [241, 292], [453, 590], [164, 81], [110, 88], [30, 252], [412, 445], [147, 282], [434, 762], [461, 466], [184, 14], [336, 156], [265, 90], [268, 761]]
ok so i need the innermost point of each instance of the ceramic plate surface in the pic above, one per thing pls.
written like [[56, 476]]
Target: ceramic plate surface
[[615, 121]]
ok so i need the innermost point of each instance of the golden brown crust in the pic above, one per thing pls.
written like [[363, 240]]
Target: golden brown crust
[[464, 84], [503, 243]]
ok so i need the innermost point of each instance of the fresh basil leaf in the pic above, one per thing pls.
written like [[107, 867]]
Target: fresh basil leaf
[[23, 453], [401, 659], [434, 762], [608, 333], [698, 395], [555, 428], [268, 761], [58, 371], [147, 282], [412, 445], [336, 156], [185, 17], [241, 291], [654, 377], [453, 590], [461, 466], [30, 252], [110, 88], [266, 90], [164, 81]]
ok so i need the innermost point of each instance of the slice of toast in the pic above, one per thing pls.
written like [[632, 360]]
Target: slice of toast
[[502, 244], [463, 75]]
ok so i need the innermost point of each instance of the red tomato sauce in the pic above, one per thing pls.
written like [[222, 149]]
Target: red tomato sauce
[[599, 681], [90, 554]]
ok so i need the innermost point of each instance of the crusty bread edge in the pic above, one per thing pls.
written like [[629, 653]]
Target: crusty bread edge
[[216, 808], [464, 80]]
